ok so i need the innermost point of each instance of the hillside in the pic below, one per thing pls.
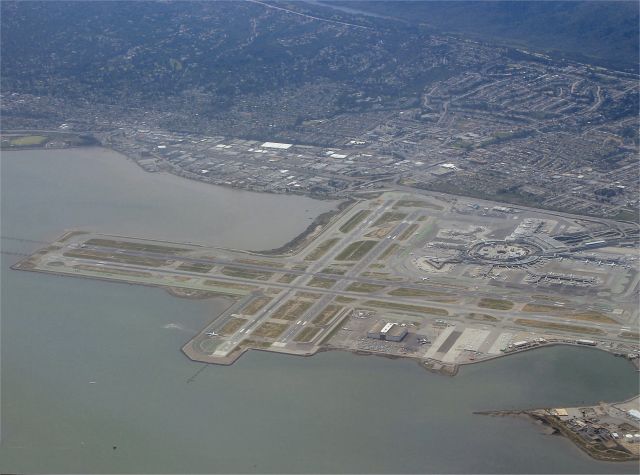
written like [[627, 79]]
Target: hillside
[[601, 31]]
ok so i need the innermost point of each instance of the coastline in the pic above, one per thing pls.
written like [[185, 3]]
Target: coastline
[[313, 231], [595, 450]]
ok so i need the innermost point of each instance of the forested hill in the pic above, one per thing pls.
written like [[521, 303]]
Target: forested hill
[[602, 31]]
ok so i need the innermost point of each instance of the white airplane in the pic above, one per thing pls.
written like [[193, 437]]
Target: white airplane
[[212, 333]]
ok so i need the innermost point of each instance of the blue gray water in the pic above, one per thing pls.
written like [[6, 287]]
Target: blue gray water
[[88, 366]]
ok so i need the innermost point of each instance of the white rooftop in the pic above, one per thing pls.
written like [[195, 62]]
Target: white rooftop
[[387, 327], [282, 146], [634, 413]]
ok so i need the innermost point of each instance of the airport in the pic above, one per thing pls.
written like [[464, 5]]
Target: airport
[[438, 279]]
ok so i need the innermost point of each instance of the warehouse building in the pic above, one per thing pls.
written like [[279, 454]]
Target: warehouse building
[[634, 413], [387, 331]]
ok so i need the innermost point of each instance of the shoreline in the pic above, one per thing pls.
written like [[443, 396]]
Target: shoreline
[[319, 224], [390, 184], [596, 451], [60, 140], [430, 365]]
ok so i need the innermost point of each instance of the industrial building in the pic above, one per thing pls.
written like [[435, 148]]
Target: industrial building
[[586, 342], [634, 413], [276, 145], [387, 331]]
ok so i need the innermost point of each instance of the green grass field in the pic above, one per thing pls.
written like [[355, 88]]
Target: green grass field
[[246, 274], [334, 270], [416, 204], [408, 232], [307, 334], [195, 267], [388, 251], [27, 140], [483, 317], [356, 251], [233, 325], [120, 258], [390, 217], [134, 246], [365, 288], [292, 309], [229, 285], [495, 304], [568, 312], [406, 292], [321, 283], [255, 305], [355, 220], [321, 249], [103, 270], [341, 299], [270, 330], [630, 335], [327, 314], [406, 307], [559, 326], [249, 343]]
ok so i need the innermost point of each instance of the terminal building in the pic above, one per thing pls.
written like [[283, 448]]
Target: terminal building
[[387, 331]]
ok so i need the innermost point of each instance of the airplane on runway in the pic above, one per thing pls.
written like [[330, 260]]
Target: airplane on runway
[[212, 333]]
